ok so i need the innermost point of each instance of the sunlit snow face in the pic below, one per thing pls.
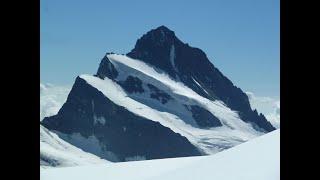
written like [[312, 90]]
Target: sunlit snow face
[[52, 98]]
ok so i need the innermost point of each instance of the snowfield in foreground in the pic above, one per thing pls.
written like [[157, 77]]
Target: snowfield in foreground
[[257, 159]]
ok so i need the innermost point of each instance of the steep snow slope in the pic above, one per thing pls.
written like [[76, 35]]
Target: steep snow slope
[[161, 48], [174, 113], [257, 159], [181, 93]]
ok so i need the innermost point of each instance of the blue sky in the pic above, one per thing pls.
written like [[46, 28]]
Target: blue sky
[[240, 37]]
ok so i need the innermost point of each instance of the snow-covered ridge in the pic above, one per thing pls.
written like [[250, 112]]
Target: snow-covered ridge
[[127, 66], [173, 114], [257, 159]]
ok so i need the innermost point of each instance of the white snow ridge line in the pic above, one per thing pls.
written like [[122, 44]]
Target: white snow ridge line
[[209, 140]]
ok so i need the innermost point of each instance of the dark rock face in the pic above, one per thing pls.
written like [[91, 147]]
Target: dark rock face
[[48, 161], [151, 47], [132, 85], [204, 118], [162, 49], [158, 94], [123, 133], [106, 69]]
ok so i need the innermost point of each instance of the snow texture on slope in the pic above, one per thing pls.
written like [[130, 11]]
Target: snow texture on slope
[[54, 152], [173, 114], [257, 159]]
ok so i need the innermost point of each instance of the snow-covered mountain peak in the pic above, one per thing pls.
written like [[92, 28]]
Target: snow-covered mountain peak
[[162, 89], [158, 35], [191, 66]]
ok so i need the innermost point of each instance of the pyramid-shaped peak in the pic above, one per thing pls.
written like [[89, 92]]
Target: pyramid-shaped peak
[[163, 29], [161, 33]]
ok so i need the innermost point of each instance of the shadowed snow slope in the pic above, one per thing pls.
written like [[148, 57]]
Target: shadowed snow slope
[[54, 152], [257, 159]]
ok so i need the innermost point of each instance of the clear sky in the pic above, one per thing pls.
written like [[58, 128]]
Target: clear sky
[[240, 37]]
